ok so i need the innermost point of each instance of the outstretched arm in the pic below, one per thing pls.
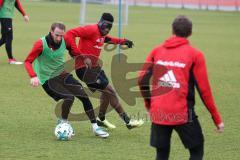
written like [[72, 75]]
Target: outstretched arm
[[122, 41]]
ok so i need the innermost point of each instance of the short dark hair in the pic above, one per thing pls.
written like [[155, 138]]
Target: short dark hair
[[107, 17], [59, 25], [182, 26]]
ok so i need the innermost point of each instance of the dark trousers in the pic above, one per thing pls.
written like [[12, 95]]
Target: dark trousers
[[7, 35]]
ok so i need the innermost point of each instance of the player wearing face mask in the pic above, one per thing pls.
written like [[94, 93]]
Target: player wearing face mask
[[92, 39]]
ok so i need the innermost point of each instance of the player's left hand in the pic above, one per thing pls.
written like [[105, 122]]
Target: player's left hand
[[34, 81], [220, 128], [128, 43], [26, 18]]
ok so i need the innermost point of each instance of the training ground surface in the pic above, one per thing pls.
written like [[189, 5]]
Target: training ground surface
[[27, 116]]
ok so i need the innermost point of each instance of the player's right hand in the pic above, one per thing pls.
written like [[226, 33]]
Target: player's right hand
[[26, 18], [88, 62], [220, 128], [128, 43], [34, 81]]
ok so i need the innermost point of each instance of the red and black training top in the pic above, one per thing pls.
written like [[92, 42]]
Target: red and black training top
[[185, 69], [90, 44]]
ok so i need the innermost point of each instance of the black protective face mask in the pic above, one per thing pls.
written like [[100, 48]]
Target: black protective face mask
[[104, 27]]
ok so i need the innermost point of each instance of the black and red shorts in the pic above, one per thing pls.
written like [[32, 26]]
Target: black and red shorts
[[95, 78]]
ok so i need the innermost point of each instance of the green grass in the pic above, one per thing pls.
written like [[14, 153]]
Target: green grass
[[27, 115]]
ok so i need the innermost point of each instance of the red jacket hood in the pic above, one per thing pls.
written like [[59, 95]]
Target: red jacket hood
[[174, 42]]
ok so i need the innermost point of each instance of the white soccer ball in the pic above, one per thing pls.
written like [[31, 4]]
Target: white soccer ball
[[64, 131]]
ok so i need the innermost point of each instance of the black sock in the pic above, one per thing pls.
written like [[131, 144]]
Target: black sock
[[91, 116], [66, 106], [2, 40], [125, 117], [101, 116], [88, 108]]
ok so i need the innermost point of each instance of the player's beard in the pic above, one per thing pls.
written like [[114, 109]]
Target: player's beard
[[57, 42]]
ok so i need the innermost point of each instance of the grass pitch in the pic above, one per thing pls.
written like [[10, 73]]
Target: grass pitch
[[27, 116]]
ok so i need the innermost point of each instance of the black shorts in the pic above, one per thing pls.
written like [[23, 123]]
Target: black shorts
[[95, 78], [62, 87], [6, 27], [190, 134]]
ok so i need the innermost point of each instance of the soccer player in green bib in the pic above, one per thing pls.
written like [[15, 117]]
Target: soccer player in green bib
[[47, 55], [6, 15]]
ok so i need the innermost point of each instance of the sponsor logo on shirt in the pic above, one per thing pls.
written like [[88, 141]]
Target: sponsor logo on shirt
[[99, 43], [169, 80], [171, 63], [98, 47]]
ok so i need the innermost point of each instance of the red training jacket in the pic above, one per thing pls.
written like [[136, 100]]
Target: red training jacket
[[186, 68]]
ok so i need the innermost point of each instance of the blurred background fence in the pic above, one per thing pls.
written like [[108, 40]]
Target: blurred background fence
[[226, 5]]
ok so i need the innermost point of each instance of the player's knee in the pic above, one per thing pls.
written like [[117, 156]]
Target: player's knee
[[9, 36], [3, 39], [110, 91], [104, 99], [104, 102], [85, 100], [69, 98], [114, 102]]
